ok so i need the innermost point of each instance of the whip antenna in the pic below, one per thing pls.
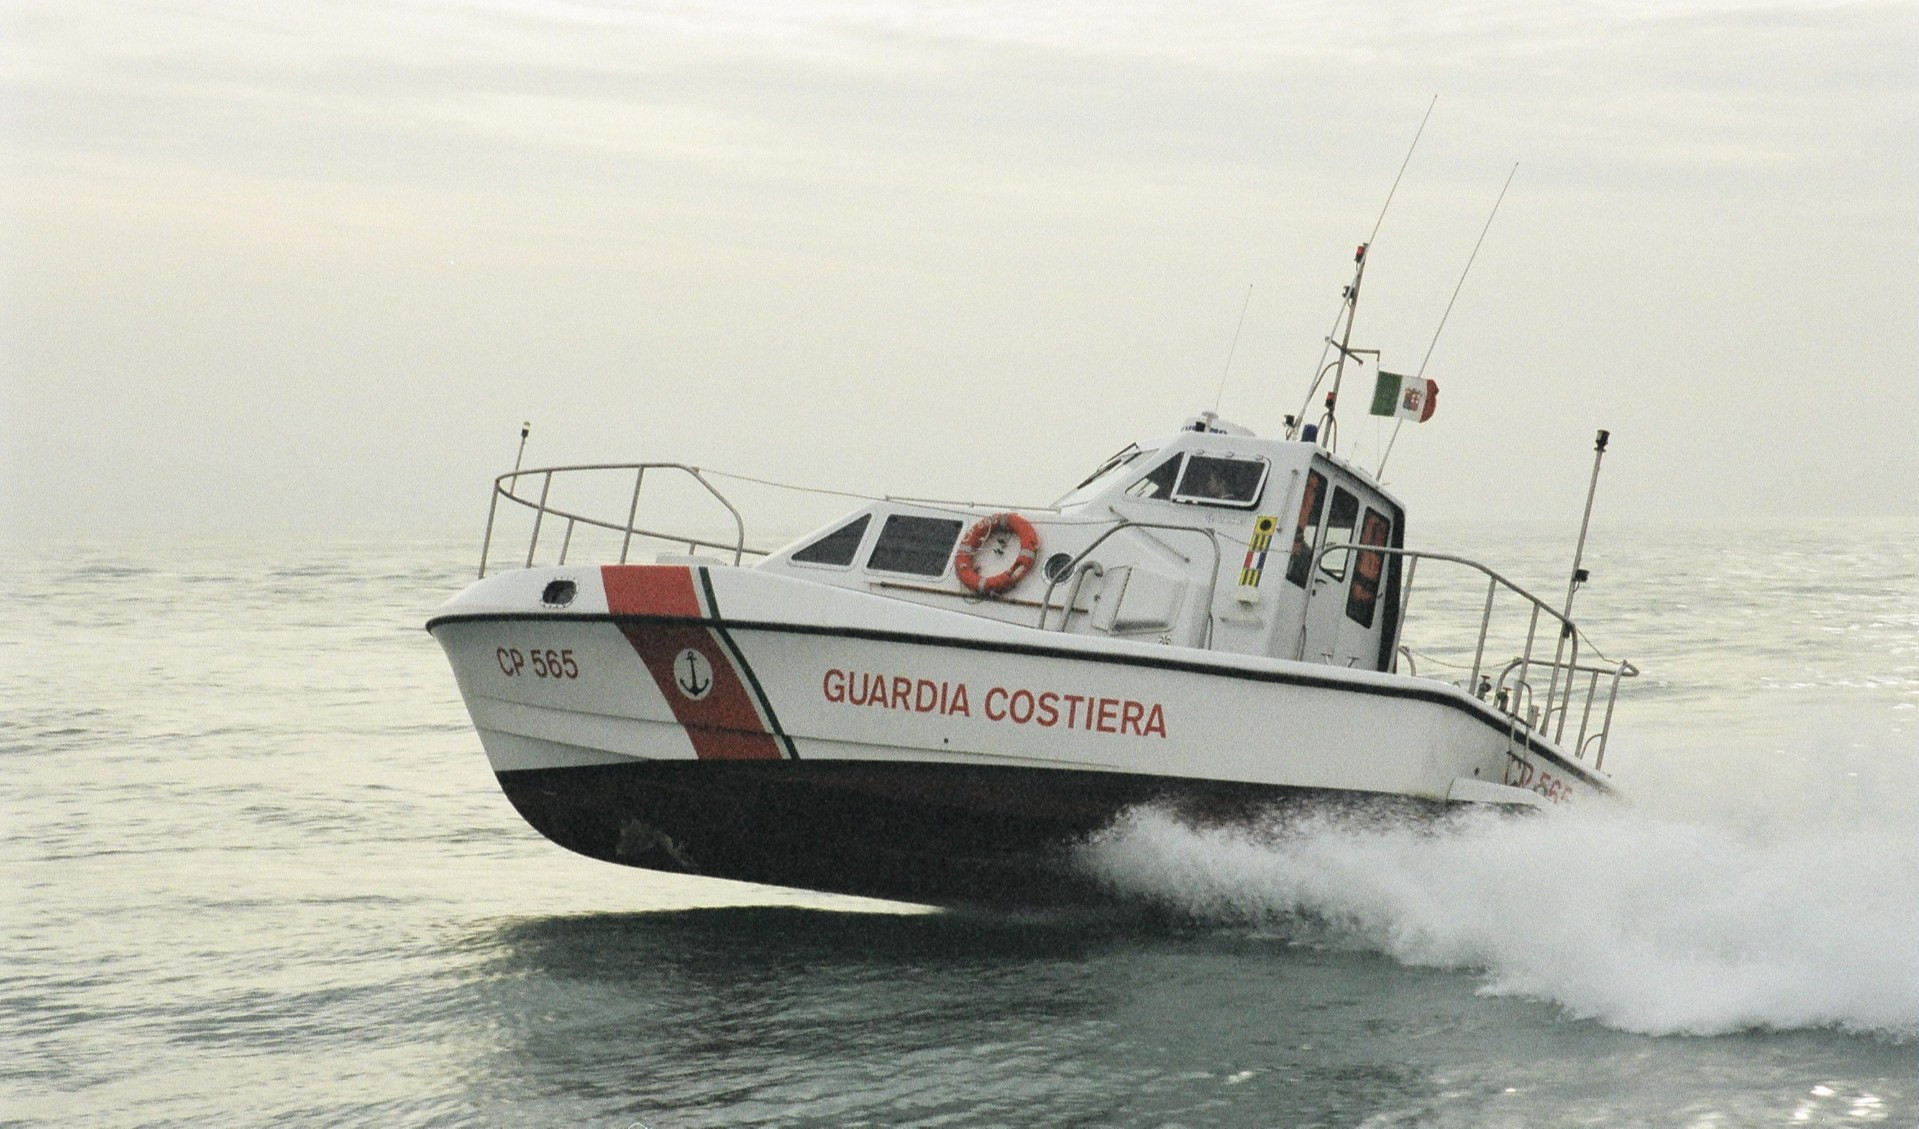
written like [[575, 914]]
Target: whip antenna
[[1233, 348], [1449, 311], [1402, 168]]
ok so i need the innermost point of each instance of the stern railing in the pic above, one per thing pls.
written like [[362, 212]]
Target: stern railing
[[1513, 694]]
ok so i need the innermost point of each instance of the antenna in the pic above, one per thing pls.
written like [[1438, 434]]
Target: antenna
[[1402, 169], [1234, 348], [1349, 306], [525, 429], [1579, 553], [1449, 313]]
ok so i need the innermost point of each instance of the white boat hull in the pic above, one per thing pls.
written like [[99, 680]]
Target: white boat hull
[[755, 726]]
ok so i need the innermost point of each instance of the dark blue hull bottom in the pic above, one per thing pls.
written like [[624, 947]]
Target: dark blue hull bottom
[[941, 834]]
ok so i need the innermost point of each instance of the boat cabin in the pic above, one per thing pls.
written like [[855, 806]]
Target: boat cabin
[[1210, 537]]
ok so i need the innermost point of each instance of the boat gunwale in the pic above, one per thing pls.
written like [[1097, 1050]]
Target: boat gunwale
[[1388, 683]]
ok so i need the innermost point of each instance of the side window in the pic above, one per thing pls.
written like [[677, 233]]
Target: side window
[[1363, 597], [1339, 531], [1158, 483], [1211, 480], [1306, 532], [916, 545], [837, 547]]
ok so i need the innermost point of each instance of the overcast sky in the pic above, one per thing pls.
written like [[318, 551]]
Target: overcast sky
[[307, 266]]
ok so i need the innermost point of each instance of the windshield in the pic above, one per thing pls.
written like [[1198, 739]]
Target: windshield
[[1102, 475], [1221, 481]]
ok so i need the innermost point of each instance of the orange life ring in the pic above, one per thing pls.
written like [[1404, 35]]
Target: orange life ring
[[966, 557]]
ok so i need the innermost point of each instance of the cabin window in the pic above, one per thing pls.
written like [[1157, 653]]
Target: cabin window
[[916, 545], [1306, 532], [1215, 481], [1159, 483], [1363, 597], [1339, 531], [1160, 480], [838, 547]]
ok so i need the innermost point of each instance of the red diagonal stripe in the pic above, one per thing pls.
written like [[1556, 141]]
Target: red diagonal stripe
[[650, 590], [722, 723]]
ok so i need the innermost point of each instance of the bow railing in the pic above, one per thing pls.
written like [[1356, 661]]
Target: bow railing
[[516, 488]]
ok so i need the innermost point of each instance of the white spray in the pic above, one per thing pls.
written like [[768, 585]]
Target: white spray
[[1641, 922]]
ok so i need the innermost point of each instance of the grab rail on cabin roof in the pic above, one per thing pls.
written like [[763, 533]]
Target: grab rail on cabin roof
[[507, 486], [1565, 661], [1079, 563]]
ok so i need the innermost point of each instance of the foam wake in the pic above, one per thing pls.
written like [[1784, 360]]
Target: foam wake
[[1645, 924]]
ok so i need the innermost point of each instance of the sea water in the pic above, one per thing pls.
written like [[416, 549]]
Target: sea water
[[255, 870]]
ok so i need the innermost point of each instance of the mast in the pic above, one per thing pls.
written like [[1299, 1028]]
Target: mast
[[1328, 422], [1325, 431]]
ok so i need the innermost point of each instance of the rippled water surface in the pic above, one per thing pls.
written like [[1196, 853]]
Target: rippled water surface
[[255, 870]]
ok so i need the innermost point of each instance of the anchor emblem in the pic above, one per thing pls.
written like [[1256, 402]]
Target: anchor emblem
[[693, 674]]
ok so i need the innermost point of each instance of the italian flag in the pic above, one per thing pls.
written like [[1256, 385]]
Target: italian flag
[[1407, 397]]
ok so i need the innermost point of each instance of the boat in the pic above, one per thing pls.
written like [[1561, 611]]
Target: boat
[[939, 702]]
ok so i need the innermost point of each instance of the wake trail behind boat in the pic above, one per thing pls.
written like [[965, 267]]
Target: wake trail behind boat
[[1644, 923]]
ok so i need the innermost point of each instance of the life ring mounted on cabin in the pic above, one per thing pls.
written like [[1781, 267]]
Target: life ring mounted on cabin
[[996, 529]]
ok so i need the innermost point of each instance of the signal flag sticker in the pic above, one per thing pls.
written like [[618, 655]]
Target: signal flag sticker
[[1262, 540]]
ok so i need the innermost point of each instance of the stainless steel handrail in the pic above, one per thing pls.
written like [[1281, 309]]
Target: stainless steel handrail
[[507, 485], [1566, 653], [1080, 572], [1620, 670], [1072, 567]]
